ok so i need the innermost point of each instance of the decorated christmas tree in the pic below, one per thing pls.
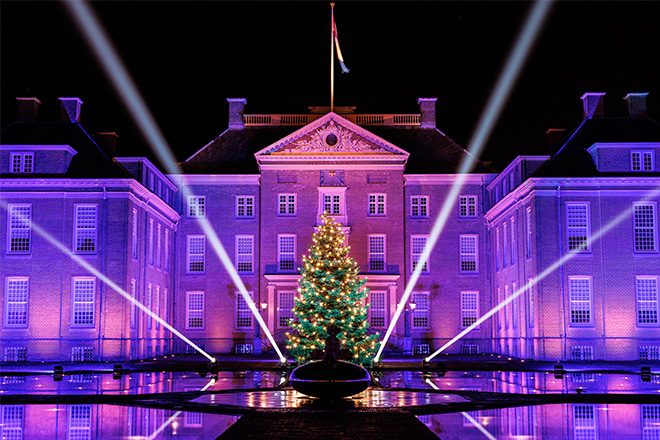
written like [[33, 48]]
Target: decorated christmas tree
[[330, 293]]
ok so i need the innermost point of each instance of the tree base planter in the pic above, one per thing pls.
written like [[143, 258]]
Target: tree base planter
[[342, 379]]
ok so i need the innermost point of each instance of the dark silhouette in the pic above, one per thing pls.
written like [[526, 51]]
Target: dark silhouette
[[332, 344]]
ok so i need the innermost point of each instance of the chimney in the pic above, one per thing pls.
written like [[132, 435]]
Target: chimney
[[28, 109], [70, 109], [427, 112], [236, 110], [555, 136], [593, 105], [108, 141], [636, 104]]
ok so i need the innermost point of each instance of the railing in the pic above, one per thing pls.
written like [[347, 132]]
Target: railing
[[386, 119]]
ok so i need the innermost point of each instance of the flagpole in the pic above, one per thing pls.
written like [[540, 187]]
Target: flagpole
[[332, 57]]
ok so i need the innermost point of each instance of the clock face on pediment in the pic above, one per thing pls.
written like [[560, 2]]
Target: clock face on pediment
[[331, 136]]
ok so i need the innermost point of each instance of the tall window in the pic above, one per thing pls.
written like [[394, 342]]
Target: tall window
[[12, 422], [286, 204], [377, 204], [196, 206], [579, 289], [82, 308], [417, 245], [243, 313], [645, 227], [650, 422], [22, 162], [469, 253], [582, 353], [376, 252], [166, 263], [284, 308], [286, 252], [377, 309], [244, 253], [514, 305], [151, 242], [500, 313], [513, 241], [244, 206], [498, 249], [20, 216], [159, 259], [150, 305], [419, 206], [420, 316], [16, 302], [166, 317], [134, 229], [584, 422], [641, 161], [507, 308], [469, 308], [157, 307], [196, 253], [528, 215], [505, 246], [195, 310], [133, 306], [80, 422], [85, 229], [647, 300], [530, 304], [577, 226], [467, 206]]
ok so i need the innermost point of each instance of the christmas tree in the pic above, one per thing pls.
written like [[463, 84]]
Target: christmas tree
[[330, 293]]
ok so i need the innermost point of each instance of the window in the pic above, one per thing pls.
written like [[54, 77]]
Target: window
[[82, 354], [514, 305], [12, 422], [166, 263], [528, 214], [286, 252], [195, 310], [377, 309], [579, 289], [513, 241], [650, 422], [284, 309], [22, 162], [150, 305], [649, 352], [377, 204], [420, 316], [244, 253], [85, 232], [417, 245], [151, 242], [332, 204], [159, 260], [500, 313], [196, 206], [469, 308], [582, 353], [192, 419], [577, 226], [244, 206], [419, 206], [506, 308], [243, 313], [196, 253], [16, 302], [156, 308], [80, 422], [166, 317], [584, 422], [376, 253], [530, 304], [645, 227], [498, 250], [640, 161], [647, 300], [286, 204], [505, 246], [15, 354], [82, 309], [20, 216], [467, 206], [133, 306], [469, 253], [134, 229]]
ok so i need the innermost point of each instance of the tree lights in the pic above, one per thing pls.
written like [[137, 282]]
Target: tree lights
[[330, 293]]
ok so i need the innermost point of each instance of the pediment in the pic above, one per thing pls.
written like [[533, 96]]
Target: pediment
[[331, 136]]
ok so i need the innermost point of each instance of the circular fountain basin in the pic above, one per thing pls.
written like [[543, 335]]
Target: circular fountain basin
[[317, 379]]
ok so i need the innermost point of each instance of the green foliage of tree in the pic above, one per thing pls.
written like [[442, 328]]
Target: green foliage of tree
[[330, 293]]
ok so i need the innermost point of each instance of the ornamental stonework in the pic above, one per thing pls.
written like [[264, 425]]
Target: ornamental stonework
[[332, 138]]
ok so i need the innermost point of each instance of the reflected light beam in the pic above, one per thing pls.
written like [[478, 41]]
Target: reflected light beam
[[138, 109], [477, 425], [496, 102], [107, 281], [625, 214], [169, 421]]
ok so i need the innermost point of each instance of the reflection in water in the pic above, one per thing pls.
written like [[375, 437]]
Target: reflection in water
[[555, 421]]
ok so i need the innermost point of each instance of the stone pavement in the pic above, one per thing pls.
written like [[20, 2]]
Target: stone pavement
[[292, 424]]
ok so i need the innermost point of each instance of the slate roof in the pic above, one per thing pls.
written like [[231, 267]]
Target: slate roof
[[90, 162], [572, 159], [232, 152]]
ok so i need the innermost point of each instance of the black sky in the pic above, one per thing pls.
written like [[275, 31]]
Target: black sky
[[187, 57]]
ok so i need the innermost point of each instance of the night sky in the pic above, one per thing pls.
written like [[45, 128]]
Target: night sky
[[187, 57]]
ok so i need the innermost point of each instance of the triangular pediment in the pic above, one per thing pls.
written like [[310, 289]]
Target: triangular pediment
[[332, 137]]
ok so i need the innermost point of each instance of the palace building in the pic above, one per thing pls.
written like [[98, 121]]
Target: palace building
[[569, 239]]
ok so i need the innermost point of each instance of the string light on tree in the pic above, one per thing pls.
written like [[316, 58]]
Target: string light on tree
[[330, 294]]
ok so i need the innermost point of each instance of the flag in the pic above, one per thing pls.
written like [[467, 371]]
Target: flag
[[344, 69]]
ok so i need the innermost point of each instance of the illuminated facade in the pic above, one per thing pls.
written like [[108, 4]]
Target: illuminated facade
[[263, 184]]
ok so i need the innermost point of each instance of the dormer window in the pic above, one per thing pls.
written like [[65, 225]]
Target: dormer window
[[22, 163], [642, 160]]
